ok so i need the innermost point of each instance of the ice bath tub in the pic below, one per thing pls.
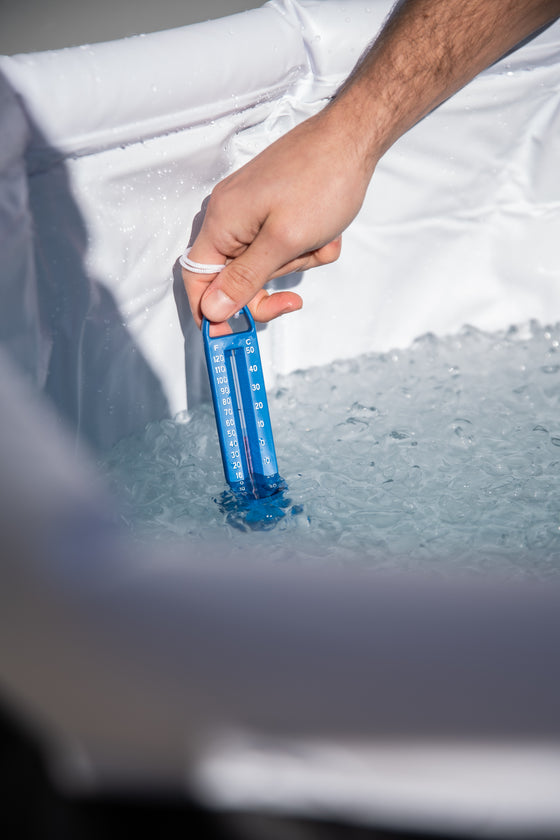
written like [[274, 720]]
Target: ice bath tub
[[143, 668]]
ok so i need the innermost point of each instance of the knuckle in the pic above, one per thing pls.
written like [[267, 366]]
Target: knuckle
[[216, 193], [287, 236]]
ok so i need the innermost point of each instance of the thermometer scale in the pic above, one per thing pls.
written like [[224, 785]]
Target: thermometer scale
[[241, 408]]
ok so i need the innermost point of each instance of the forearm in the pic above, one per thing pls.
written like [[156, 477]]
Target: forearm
[[427, 50]]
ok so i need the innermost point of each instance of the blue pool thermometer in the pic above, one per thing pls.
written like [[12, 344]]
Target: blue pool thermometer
[[241, 408]]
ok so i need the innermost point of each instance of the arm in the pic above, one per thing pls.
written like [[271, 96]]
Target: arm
[[286, 209]]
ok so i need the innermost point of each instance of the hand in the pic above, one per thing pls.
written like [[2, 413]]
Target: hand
[[284, 211]]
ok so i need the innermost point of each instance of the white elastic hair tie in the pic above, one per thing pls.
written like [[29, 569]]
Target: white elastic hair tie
[[198, 268]]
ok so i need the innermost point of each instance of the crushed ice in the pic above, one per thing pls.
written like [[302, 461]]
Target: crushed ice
[[443, 454]]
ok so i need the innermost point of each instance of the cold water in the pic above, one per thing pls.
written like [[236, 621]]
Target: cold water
[[442, 455]]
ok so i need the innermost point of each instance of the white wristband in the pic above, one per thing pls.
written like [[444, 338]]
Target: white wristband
[[198, 268]]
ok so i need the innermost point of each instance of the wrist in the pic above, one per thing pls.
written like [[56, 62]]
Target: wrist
[[349, 119]]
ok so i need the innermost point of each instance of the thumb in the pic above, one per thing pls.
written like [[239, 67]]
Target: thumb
[[241, 279], [235, 286], [229, 292]]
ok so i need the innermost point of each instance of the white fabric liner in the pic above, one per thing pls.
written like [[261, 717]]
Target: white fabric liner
[[459, 225], [107, 153]]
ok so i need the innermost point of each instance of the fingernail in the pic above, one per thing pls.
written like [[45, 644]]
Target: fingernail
[[217, 306]]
